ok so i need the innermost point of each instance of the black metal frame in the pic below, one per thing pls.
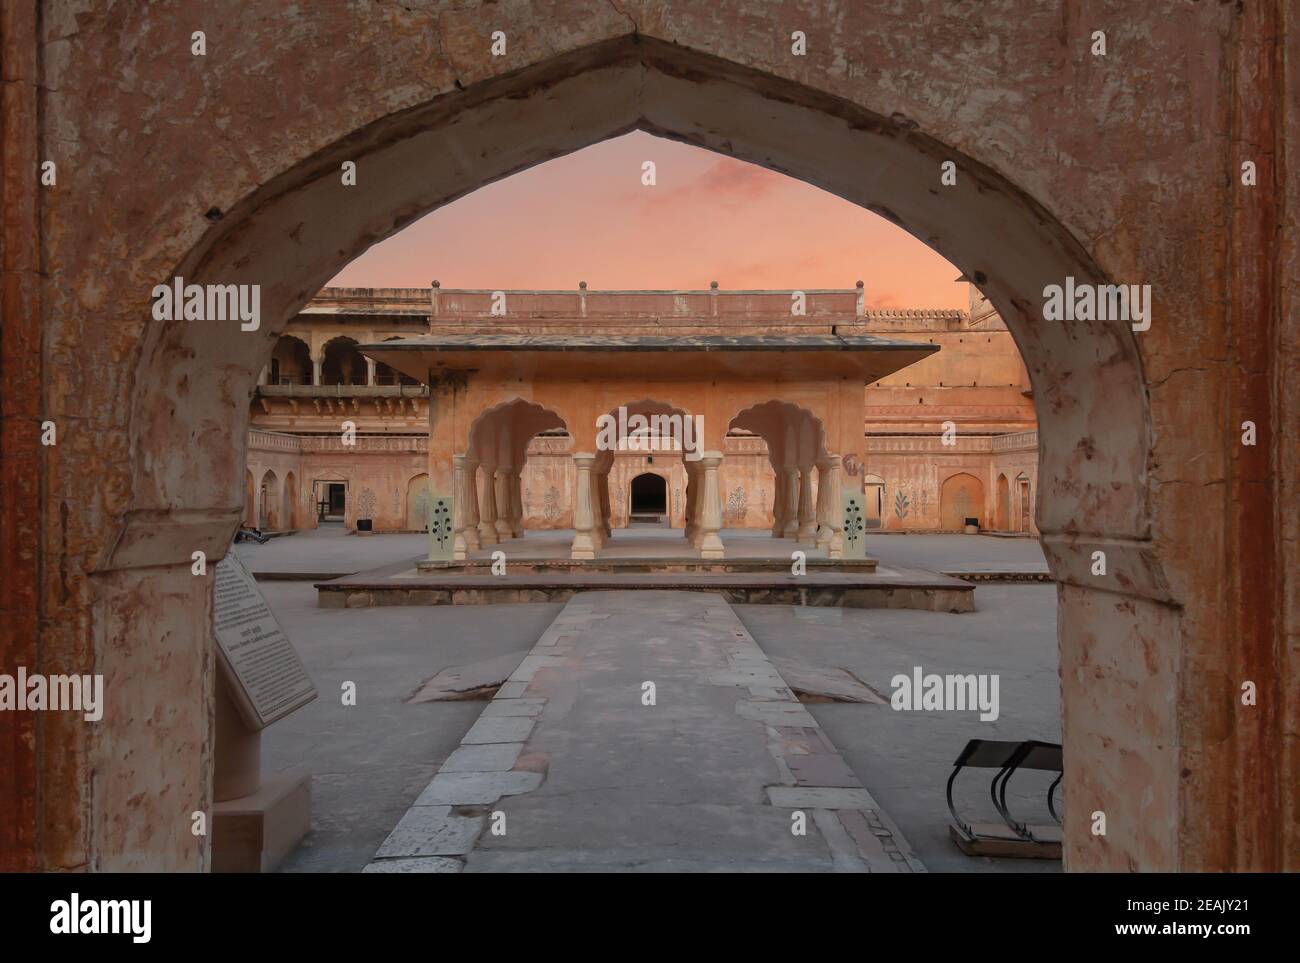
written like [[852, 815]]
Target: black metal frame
[[1015, 757]]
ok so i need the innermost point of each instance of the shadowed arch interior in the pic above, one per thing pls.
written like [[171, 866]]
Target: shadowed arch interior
[[648, 494]]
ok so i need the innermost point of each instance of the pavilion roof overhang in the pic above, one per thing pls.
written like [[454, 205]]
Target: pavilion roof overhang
[[826, 355]]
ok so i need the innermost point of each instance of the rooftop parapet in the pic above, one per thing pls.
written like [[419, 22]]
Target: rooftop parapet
[[814, 311]]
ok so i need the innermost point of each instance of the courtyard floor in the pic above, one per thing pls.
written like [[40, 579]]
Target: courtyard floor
[[370, 763]]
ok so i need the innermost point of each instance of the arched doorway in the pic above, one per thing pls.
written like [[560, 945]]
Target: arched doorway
[[1024, 504], [417, 503], [636, 435], [287, 210], [250, 499], [289, 511], [960, 498], [489, 504], [342, 363], [1002, 522], [647, 498], [290, 362], [874, 506], [268, 515], [796, 448]]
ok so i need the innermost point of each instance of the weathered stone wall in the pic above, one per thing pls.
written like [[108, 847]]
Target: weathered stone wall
[[225, 168]]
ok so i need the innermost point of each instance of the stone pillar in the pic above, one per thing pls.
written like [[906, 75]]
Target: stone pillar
[[458, 502], [835, 505], [471, 504], [503, 503], [604, 504], [516, 503], [597, 523], [264, 375], [823, 507], [487, 525], [807, 531], [370, 371], [778, 502], [711, 507], [315, 371], [584, 544], [692, 507], [790, 501]]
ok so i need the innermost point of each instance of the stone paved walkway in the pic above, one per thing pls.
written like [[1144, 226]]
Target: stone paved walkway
[[567, 769]]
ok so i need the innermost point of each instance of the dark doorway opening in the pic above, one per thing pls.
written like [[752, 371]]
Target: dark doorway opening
[[649, 496], [333, 505]]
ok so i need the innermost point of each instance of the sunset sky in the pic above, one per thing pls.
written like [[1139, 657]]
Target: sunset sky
[[587, 217]]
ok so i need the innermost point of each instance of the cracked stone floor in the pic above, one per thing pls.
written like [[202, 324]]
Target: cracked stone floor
[[645, 731], [586, 777]]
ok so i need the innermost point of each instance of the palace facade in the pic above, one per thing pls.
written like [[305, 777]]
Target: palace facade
[[340, 429]]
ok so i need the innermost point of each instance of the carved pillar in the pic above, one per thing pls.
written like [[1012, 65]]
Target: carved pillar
[[471, 504], [603, 487], [778, 502], [835, 505], [487, 525], [711, 507], [517, 503], [823, 507], [370, 371], [503, 503], [584, 543], [692, 507], [790, 501], [458, 501], [597, 523], [807, 531]]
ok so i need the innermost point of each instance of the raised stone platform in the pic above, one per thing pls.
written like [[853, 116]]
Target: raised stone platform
[[645, 564], [644, 548], [757, 569], [403, 584]]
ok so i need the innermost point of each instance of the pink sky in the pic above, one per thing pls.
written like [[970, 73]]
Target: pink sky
[[587, 217]]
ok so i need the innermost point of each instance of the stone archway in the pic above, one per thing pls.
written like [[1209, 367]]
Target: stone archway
[[341, 362], [874, 513], [803, 501], [1024, 504], [417, 503], [488, 487], [648, 494], [641, 431], [269, 506], [960, 497], [289, 512], [1002, 511], [290, 362], [1109, 479]]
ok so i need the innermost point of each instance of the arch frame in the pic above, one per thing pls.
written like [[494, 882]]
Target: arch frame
[[145, 522], [686, 95]]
